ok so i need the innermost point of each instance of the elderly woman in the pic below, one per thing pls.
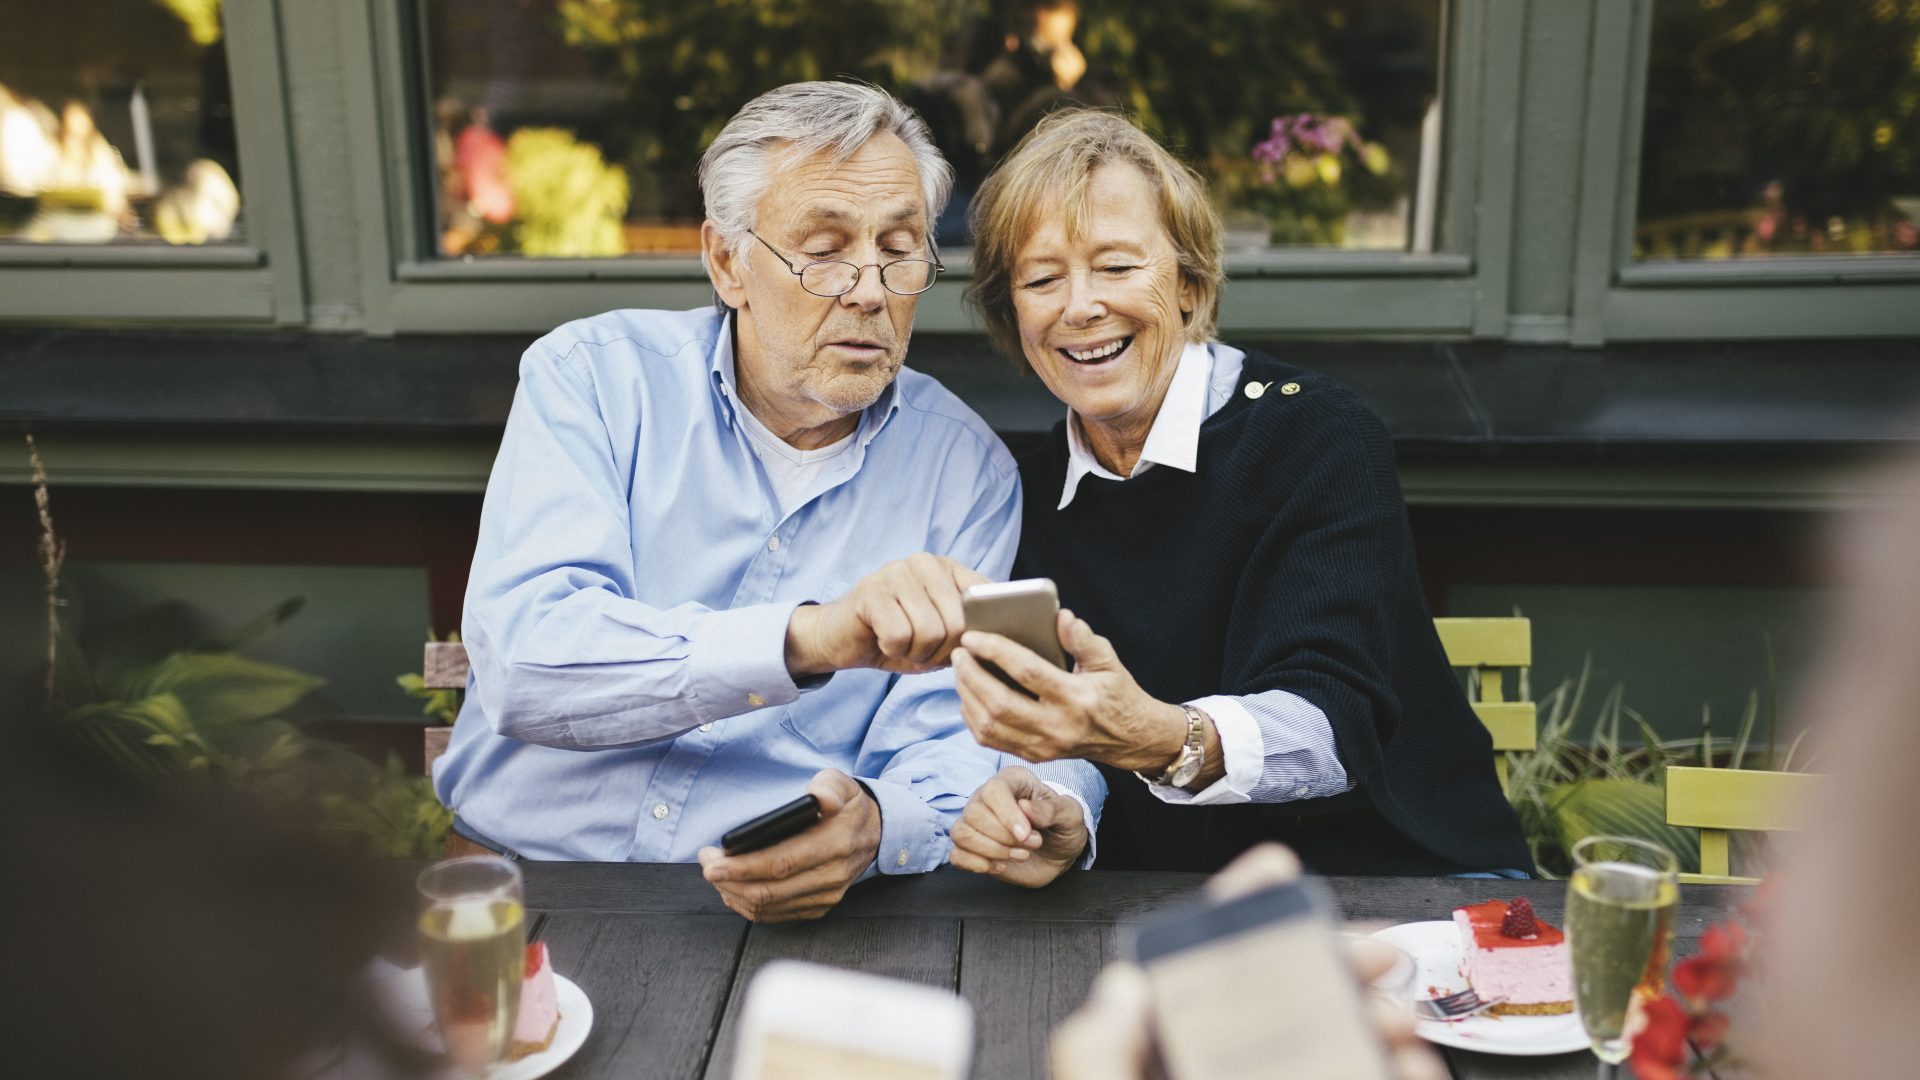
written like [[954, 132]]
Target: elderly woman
[[1233, 526]]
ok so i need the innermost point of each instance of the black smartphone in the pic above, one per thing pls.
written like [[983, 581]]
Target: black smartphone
[[772, 827], [1257, 987]]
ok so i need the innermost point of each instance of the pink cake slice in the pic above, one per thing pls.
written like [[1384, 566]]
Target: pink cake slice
[[1533, 972], [539, 1006]]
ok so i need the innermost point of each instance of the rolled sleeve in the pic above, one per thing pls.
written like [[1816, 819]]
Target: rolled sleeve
[[1278, 747]]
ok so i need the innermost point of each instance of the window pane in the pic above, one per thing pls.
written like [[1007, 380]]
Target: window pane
[[116, 124], [1781, 127], [572, 127]]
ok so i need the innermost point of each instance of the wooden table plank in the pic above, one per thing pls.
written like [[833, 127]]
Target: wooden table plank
[[919, 950], [1022, 979], [1467, 1065], [657, 987]]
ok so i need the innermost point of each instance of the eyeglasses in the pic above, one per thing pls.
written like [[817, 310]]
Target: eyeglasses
[[904, 277]]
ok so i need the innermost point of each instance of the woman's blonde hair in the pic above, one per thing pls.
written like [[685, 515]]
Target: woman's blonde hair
[[1050, 172]]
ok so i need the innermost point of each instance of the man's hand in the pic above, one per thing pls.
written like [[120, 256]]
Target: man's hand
[[803, 876], [904, 617], [1111, 1036], [1019, 830]]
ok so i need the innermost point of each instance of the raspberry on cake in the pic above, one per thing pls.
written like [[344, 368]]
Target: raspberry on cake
[[1507, 951], [539, 1006]]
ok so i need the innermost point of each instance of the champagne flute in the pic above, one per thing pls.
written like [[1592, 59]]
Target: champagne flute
[[1620, 904], [473, 935]]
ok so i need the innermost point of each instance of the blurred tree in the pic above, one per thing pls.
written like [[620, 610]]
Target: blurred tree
[[1809, 109]]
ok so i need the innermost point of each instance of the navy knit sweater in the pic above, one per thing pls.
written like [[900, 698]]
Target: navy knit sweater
[[1283, 563]]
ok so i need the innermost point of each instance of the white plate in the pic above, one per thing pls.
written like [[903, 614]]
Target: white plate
[[403, 994], [1435, 948], [576, 1019]]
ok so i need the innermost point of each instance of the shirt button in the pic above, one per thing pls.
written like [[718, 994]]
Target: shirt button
[[773, 543], [902, 860], [660, 811], [706, 727], [1300, 792], [756, 700]]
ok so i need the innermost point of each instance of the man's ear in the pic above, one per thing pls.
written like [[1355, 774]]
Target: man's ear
[[1189, 297], [725, 270]]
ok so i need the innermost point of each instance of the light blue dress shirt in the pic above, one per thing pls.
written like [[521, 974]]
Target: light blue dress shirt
[[626, 614]]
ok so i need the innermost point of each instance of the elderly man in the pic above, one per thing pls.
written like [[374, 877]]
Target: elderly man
[[723, 550]]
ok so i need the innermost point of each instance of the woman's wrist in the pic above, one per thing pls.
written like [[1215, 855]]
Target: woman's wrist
[[1168, 739]]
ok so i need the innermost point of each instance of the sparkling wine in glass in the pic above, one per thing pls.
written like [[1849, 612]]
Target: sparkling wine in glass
[[1620, 904], [473, 937]]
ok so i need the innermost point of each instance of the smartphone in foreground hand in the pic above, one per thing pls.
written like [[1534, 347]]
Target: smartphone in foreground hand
[[773, 826], [1025, 611], [1258, 986], [810, 1022]]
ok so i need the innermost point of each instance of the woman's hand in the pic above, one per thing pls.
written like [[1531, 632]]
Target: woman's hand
[[1096, 712], [1019, 830]]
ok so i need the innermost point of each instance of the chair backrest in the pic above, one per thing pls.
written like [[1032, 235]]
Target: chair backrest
[[1716, 801], [1487, 648], [443, 668]]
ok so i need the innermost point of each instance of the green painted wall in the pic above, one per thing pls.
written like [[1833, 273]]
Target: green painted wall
[[1674, 648], [360, 627]]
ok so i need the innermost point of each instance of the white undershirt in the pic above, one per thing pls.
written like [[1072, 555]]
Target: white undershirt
[[794, 472]]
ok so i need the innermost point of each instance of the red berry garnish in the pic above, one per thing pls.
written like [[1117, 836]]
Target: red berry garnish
[[1520, 921]]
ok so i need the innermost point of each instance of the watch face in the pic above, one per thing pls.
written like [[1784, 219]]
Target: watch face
[[1184, 772]]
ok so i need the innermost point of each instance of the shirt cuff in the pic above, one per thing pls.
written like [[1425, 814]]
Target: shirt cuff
[[1240, 745], [739, 661], [913, 835], [1086, 815]]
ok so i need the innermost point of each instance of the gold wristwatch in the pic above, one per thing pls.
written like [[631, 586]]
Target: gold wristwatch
[[1193, 754]]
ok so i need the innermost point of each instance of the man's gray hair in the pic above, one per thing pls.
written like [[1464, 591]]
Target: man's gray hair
[[809, 117]]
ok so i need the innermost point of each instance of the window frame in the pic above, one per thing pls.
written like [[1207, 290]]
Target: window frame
[[1617, 298], [259, 281], [1459, 290]]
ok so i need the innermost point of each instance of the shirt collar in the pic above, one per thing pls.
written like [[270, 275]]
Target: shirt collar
[[1174, 438], [726, 388]]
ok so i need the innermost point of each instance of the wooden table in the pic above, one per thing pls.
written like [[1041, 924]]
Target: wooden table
[[666, 965]]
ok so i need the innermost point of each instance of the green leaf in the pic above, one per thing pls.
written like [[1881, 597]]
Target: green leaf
[[1746, 729], [1609, 807], [221, 688]]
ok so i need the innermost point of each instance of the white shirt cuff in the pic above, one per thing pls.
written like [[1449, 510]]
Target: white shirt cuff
[[1241, 747], [739, 661], [1086, 816]]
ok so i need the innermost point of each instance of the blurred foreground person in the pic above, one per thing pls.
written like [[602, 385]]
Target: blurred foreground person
[[176, 933], [1111, 1036], [1841, 952]]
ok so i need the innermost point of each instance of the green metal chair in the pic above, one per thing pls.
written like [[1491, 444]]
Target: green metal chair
[[1487, 648], [1716, 801]]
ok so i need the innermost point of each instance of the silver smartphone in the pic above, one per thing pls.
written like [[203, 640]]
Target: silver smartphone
[[1026, 611]]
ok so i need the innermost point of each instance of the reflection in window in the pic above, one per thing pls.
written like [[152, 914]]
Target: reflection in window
[[572, 127], [1781, 127], [116, 124]]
